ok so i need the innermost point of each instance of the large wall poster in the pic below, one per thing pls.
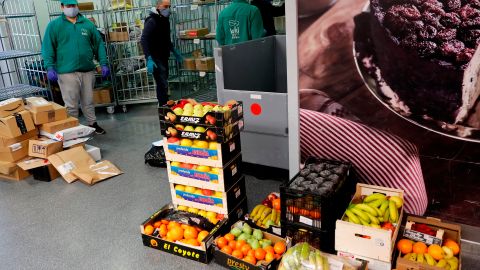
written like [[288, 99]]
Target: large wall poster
[[391, 108]]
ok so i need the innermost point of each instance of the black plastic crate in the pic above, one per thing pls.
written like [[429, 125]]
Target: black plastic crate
[[318, 211], [323, 240]]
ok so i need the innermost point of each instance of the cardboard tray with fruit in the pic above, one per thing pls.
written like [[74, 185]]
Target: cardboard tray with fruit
[[210, 134], [209, 200], [317, 194], [207, 114], [430, 244], [266, 216], [205, 177], [200, 152], [242, 247]]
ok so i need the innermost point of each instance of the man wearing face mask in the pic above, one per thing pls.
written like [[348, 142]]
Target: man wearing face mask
[[157, 46], [70, 44]]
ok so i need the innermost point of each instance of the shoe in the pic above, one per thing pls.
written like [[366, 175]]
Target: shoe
[[98, 129]]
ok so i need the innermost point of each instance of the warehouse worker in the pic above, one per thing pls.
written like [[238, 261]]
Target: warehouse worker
[[239, 22], [157, 45], [69, 47]]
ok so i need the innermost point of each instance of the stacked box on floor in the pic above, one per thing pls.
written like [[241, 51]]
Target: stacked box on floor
[[203, 152]]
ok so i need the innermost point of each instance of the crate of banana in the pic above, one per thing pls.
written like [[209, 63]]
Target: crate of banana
[[266, 215], [370, 224]]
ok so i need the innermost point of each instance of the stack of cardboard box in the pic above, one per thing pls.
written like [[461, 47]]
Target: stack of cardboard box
[[199, 62]]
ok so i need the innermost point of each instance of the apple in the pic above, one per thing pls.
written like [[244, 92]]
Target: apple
[[220, 216], [217, 108], [199, 129], [198, 114], [178, 111], [188, 106], [173, 140], [193, 210], [182, 208], [207, 192], [218, 194], [198, 192], [207, 108], [186, 142], [267, 203], [202, 213], [188, 128], [198, 107], [215, 170], [202, 168], [179, 127], [190, 189], [214, 221], [212, 145], [187, 113], [211, 214], [201, 144], [186, 166], [175, 164], [180, 187]]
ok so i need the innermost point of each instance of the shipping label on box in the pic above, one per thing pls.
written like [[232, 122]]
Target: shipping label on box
[[59, 125], [11, 106], [14, 152], [57, 113], [38, 104], [43, 149], [16, 125]]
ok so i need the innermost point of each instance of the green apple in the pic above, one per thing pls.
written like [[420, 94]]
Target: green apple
[[207, 108], [198, 113], [188, 128], [198, 107], [187, 113], [188, 106], [199, 129], [180, 187], [217, 108], [190, 189], [178, 111], [212, 145], [186, 142], [201, 144]]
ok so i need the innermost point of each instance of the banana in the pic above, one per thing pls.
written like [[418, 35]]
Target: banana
[[259, 212], [255, 210], [407, 256], [277, 220], [266, 212], [380, 218], [448, 252], [362, 215], [374, 197], [384, 207], [420, 258], [373, 225], [398, 201], [393, 211], [373, 219], [448, 267], [430, 259], [442, 263], [413, 257], [379, 213], [376, 204], [273, 217], [386, 216], [364, 223], [351, 217], [453, 263], [366, 208], [267, 218]]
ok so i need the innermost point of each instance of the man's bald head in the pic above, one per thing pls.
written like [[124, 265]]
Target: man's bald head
[[162, 4]]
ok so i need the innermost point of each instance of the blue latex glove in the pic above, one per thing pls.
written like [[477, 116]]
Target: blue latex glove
[[177, 55], [150, 65], [105, 71], [52, 75]]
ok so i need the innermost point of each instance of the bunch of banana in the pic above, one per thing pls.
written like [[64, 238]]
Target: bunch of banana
[[448, 262], [375, 209], [265, 216]]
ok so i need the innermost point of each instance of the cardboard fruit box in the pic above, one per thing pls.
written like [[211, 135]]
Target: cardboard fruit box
[[210, 119], [370, 242], [208, 200], [444, 231], [371, 263], [218, 134], [218, 179], [216, 155]]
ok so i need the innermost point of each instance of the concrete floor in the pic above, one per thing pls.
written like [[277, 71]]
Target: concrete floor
[[73, 226]]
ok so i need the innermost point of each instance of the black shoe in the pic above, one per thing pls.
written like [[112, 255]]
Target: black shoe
[[98, 129]]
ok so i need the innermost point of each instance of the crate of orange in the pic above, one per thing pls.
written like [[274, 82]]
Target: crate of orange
[[243, 247], [184, 240], [429, 244]]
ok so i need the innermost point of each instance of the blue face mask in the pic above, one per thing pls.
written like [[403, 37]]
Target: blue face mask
[[71, 12], [165, 12]]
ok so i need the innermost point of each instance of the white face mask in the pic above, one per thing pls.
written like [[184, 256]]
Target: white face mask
[[71, 12]]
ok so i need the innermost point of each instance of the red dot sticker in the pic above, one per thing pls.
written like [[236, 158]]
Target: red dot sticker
[[256, 109]]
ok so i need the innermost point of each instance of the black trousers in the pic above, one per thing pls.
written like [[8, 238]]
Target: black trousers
[[160, 74]]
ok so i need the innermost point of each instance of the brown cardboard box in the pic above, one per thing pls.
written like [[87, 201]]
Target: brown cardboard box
[[16, 125], [10, 171], [68, 160], [41, 169], [44, 148], [205, 64], [87, 6], [57, 113], [189, 64], [103, 170], [6, 142], [120, 27], [14, 152], [196, 32], [38, 104], [118, 36], [11, 106], [96, 96], [59, 125], [105, 96]]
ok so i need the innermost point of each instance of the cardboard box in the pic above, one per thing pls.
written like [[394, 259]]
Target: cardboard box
[[221, 180], [118, 36], [41, 169], [95, 173], [14, 152], [16, 125], [44, 148], [68, 134], [12, 172], [189, 64], [96, 96], [105, 96], [205, 64], [224, 153], [38, 104], [369, 242], [6, 142], [10, 106], [57, 113], [7, 167], [372, 264], [218, 134], [59, 125], [94, 152], [450, 231], [86, 6], [223, 204], [196, 32]]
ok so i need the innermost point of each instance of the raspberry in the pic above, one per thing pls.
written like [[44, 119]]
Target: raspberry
[[465, 56], [426, 48], [472, 22], [405, 11], [468, 12], [474, 3], [446, 34], [433, 6], [453, 4], [409, 41], [451, 20], [452, 48], [432, 19], [428, 32]]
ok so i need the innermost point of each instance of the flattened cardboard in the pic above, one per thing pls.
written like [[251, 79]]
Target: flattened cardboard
[[57, 113], [32, 163], [38, 104], [53, 127], [11, 106], [40, 168], [44, 148], [66, 161], [14, 152], [16, 125], [80, 131], [97, 172]]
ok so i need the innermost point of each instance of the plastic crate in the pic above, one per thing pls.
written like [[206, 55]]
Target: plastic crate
[[319, 239], [318, 211]]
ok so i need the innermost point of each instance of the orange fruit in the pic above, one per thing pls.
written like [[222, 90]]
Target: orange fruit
[[184, 226], [240, 244], [245, 249], [192, 242], [232, 244], [190, 233], [164, 221], [222, 242], [227, 249], [237, 254], [149, 229], [172, 224], [198, 229], [176, 233], [270, 256], [169, 237], [269, 249], [279, 248], [202, 235], [250, 260], [452, 245], [436, 252], [229, 237], [405, 246], [260, 254], [278, 256], [251, 252], [157, 224], [163, 230], [276, 204], [420, 248]]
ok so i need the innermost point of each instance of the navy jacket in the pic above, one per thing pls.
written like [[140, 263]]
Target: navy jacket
[[156, 41]]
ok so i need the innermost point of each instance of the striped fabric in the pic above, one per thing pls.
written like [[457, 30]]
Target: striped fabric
[[379, 158]]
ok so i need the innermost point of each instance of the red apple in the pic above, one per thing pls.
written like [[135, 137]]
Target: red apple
[[207, 192], [272, 197], [220, 216], [186, 166], [173, 140], [267, 203]]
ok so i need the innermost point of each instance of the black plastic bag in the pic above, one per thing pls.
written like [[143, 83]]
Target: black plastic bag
[[155, 157]]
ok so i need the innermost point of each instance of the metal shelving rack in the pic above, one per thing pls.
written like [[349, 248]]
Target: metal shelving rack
[[97, 16], [21, 68]]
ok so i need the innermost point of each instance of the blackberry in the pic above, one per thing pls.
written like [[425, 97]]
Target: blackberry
[[446, 34], [451, 20], [465, 56], [453, 4], [474, 3], [468, 12], [433, 6], [426, 48], [428, 32], [452, 48], [470, 37]]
